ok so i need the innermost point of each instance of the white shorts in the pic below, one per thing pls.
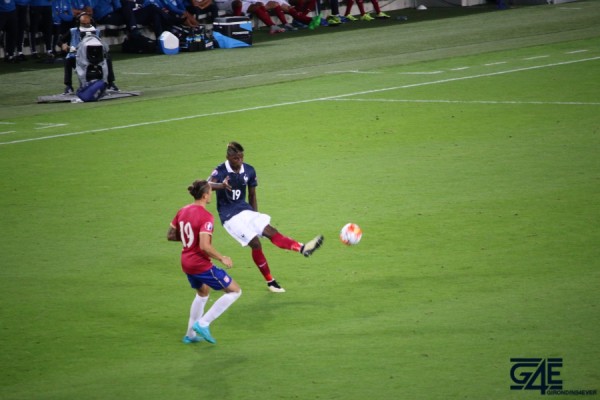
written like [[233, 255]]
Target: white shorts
[[246, 225]]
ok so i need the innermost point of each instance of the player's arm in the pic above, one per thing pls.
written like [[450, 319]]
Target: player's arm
[[219, 185], [252, 197], [173, 234], [207, 247]]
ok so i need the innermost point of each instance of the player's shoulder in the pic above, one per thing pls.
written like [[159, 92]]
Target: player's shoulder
[[249, 168], [188, 208], [203, 210], [196, 212], [219, 169], [183, 211]]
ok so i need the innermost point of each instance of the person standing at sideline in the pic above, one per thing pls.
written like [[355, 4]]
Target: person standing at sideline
[[8, 24], [193, 225], [241, 219]]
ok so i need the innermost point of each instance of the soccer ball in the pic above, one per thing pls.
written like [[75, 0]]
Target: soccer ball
[[350, 234]]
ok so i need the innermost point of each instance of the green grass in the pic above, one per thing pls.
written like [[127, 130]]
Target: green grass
[[469, 160]]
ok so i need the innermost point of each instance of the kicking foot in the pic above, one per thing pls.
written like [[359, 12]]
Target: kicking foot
[[311, 246]]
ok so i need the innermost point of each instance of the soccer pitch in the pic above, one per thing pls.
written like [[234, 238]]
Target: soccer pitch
[[466, 148]]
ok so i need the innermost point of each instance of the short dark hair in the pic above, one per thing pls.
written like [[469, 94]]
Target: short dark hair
[[84, 14], [234, 148], [198, 188]]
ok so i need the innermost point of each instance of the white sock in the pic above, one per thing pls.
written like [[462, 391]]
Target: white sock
[[219, 307], [196, 312]]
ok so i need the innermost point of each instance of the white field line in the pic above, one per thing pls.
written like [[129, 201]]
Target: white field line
[[353, 71], [561, 103], [535, 58], [293, 74], [268, 106], [46, 126], [420, 73]]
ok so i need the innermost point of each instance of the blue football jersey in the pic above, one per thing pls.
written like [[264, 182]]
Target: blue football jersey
[[232, 202]]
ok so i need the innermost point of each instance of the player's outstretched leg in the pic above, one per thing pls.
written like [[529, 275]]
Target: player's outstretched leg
[[311, 246]]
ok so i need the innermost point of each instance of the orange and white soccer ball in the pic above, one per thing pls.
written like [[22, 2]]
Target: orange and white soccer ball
[[350, 234]]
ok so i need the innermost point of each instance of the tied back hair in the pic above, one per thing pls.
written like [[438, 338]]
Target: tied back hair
[[198, 188]]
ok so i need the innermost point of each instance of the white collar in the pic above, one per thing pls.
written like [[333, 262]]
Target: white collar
[[229, 169]]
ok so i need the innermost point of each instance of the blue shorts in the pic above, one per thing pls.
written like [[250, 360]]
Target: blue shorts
[[215, 277]]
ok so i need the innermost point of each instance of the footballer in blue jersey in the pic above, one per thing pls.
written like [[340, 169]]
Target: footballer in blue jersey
[[233, 201], [235, 181]]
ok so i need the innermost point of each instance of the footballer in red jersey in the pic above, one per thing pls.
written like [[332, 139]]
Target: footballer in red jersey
[[191, 222], [193, 226]]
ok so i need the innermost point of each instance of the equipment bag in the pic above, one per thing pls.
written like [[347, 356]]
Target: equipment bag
[[192, 39], [92, 91], [139, 44]]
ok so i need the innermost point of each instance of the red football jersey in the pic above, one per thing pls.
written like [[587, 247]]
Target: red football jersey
[[190, 222]]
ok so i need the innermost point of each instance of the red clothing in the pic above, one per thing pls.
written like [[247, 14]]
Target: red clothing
[[190, 222]]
